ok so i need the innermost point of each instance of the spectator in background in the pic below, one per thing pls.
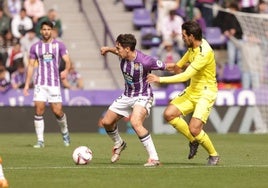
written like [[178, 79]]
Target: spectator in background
[[206, 11], [230, 27], [263, 7], [4, 22], [171, 30], [26, 42], [12, 7], [163, 8], [4, 79], [14, 56], [3, 53], [74, 80], [18, 77], [20, 24], [35, 9], [249, 6], [253, 62], [9, 40], [197, 16], [168, 55], [53, 17]]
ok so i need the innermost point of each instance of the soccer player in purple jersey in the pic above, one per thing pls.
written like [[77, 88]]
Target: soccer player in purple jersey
[[136, 101], [47, 53]]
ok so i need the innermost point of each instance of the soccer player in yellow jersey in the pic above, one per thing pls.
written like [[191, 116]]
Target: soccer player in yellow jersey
[[198, 65]]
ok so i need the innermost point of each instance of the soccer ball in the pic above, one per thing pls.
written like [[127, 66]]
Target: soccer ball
[[82, 155]]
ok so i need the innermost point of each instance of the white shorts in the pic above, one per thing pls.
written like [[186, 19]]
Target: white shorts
[[49, 94], [123, 105]]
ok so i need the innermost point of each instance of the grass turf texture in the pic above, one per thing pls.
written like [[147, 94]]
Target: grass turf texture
[[244, 162]]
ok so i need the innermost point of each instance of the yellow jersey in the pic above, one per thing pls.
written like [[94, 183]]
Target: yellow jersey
[[201, 69]]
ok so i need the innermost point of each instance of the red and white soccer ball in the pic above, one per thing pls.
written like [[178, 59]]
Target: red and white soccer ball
[[82, 155]]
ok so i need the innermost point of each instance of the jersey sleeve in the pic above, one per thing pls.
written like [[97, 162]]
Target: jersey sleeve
[[32, 54], [63, 50], [155, 64], [182, 77]]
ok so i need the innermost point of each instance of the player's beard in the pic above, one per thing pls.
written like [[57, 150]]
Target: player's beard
[[47, 37], [189, 44]]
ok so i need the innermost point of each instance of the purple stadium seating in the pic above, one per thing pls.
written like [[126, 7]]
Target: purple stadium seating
[[231, 73], [149, 37], [214, 37], [132, 4], [142, 18]]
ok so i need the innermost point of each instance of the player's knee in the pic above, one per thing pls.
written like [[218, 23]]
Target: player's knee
[[108, 125], [195, 130], [135, 122], [168, 116]]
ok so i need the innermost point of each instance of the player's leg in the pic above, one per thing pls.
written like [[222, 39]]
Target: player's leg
[[62, 121], [200, 116], [3, 180], [182, 105], [141, 109], [173, 115], [109, 123], [55, 101], [39, 123]]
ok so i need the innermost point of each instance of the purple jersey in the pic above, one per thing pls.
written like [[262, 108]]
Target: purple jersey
[[135, 74], [48, 56]]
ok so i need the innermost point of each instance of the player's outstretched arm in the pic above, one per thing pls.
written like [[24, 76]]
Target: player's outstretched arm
[[151, 78], [106, 49]]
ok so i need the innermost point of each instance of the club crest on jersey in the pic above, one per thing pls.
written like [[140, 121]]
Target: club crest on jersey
[[136, 66], [159, 63], [47, 57]]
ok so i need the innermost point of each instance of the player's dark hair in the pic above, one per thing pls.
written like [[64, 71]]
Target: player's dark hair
[[192, 28], [48, 23], [127, 40]]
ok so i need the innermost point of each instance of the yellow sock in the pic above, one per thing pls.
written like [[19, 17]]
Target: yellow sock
[[205, 141], [181, 126]]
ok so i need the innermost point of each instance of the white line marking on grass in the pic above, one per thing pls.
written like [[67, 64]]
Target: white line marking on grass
[[131, 167]]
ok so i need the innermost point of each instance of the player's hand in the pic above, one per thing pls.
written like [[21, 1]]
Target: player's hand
[[104, 50], [152, 78], [26, 91], [63, 74], [171, 67]]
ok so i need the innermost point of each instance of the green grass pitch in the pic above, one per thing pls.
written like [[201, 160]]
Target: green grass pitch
[[244, 162]]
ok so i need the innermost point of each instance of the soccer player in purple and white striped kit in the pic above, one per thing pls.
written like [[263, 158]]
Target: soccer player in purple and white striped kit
[[47, 53], [136, 101]]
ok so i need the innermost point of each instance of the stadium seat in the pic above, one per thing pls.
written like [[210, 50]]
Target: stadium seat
[[142, 18], [231, 74], [132, 4], [149, 37], [214, 37]]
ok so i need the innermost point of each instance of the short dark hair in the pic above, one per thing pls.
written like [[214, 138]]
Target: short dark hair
[[48, 23], [127, 40], [192, 28]]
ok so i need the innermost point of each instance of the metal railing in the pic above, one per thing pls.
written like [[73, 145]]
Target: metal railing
[[107, 38]]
